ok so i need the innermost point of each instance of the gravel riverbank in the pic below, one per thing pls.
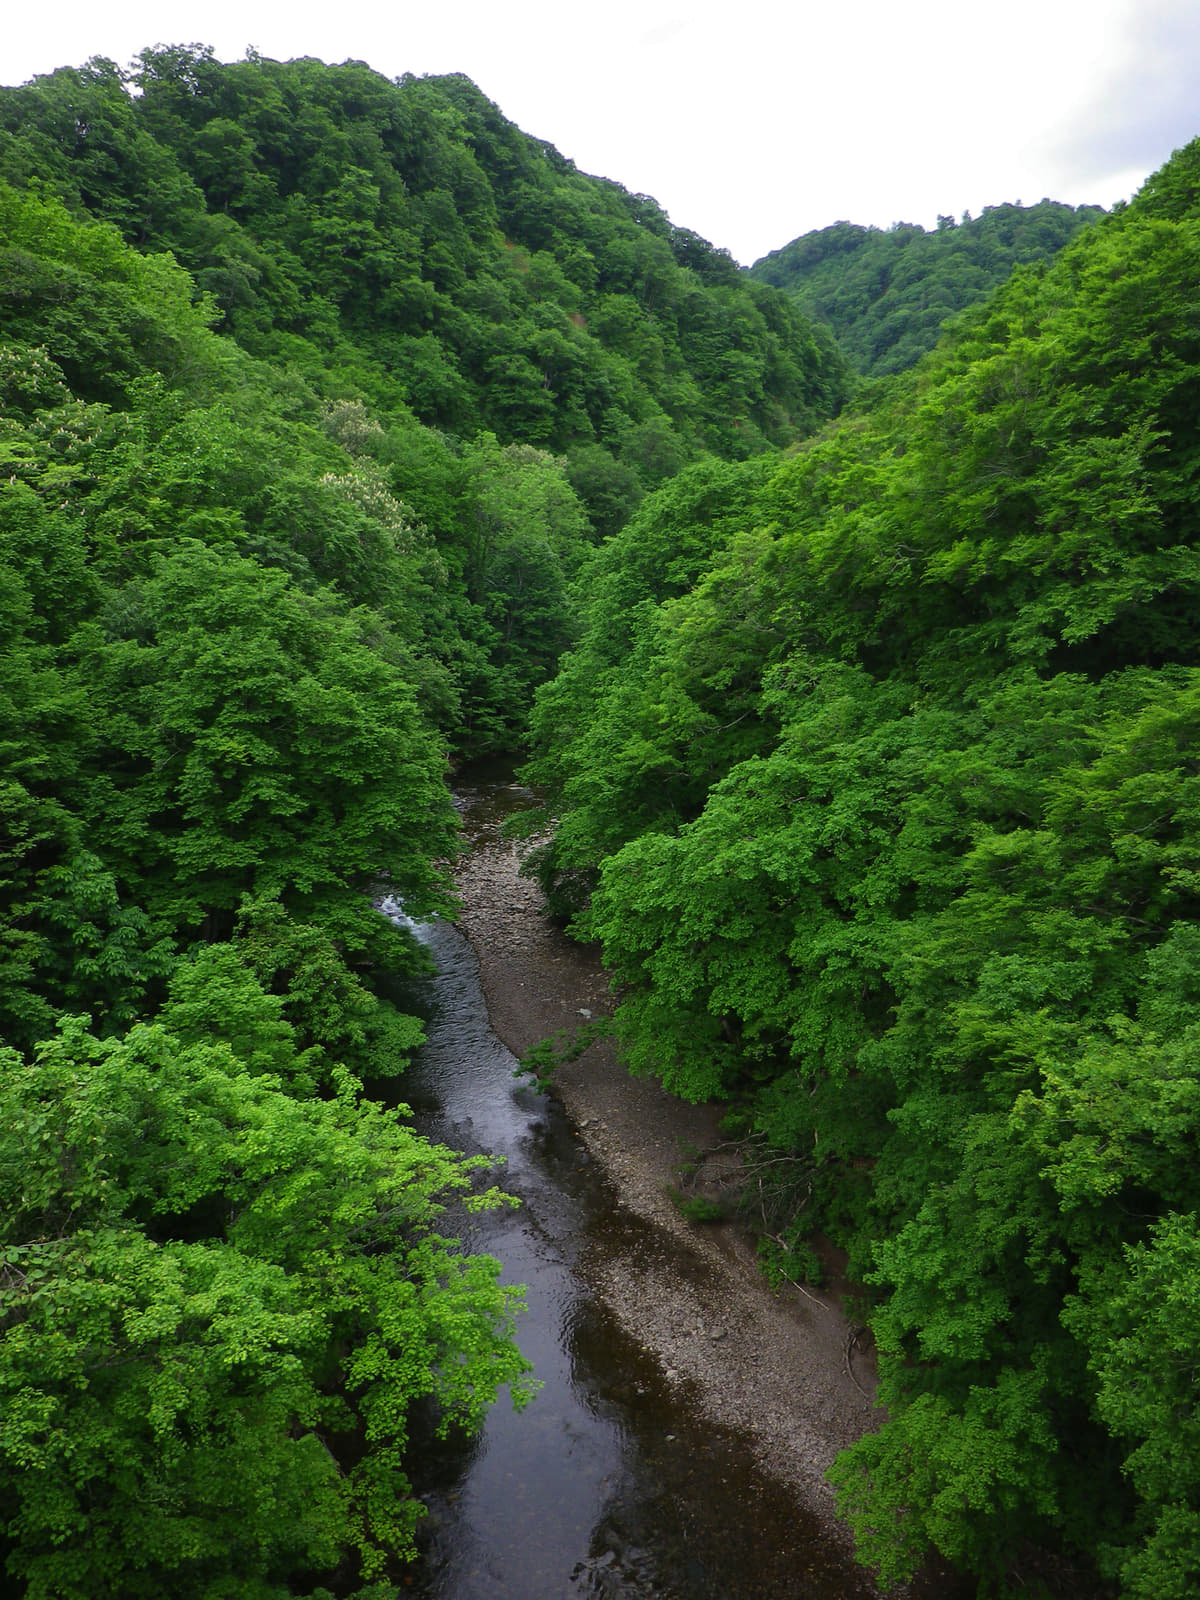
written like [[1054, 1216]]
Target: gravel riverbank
[[783, 1369]]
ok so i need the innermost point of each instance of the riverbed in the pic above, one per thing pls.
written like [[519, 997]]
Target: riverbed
[[677, 1445]]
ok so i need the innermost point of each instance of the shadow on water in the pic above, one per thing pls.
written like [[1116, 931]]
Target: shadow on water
[[607, 1484]]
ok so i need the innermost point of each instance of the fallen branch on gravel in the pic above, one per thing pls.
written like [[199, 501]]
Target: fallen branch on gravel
[[853, 1338]]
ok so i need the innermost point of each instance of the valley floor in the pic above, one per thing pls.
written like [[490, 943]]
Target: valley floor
[[784, 1369]]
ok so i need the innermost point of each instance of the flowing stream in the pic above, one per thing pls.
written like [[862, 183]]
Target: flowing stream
[[606, 1484]]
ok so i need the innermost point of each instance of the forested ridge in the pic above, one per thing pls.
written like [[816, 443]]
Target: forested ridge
[[875, 772], [335, 415], [886, 292]]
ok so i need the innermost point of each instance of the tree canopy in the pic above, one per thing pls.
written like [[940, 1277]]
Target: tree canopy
[[346, 431], [874, 772], [887, 292], [225, 1301], [447, 299]]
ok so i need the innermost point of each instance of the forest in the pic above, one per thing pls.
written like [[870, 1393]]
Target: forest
[[349, 433], [887, 293]]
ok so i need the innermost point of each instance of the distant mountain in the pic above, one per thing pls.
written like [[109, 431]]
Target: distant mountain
[[887, 292]]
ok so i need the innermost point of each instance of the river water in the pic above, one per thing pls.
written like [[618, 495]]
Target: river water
[[606, 1484]]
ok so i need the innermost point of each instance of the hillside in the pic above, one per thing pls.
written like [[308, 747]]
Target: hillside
[[316, 393], [885, 293], [409, 237], [528, 349], [874, 772]]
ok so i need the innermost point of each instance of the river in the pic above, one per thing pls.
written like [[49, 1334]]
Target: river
[[607, 1484]]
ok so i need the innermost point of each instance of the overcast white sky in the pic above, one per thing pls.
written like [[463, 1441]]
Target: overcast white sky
[[750, 124]]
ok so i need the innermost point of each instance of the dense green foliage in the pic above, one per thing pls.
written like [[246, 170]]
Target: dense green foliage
[[887, 292], [419, 239], [205, 1285], [875, 771], [509, 352], [223, 1295], [332, 412], [315, 392]]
